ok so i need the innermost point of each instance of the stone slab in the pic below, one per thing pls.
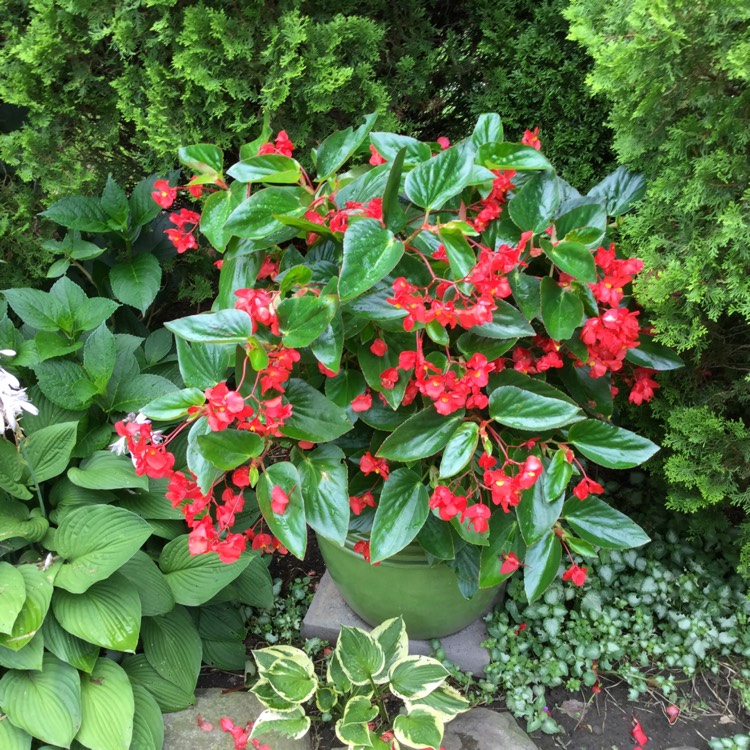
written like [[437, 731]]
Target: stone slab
[[181, 730], [482, 729], [328, 612]]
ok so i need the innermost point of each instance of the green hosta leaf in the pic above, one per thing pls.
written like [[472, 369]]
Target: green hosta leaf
[[154, 591], [222, 327], [38, 590], [173, 405], [136, 282], [338, 148], [511, 156], [65, 384], [28, 657], [401, 513], [460, 449], [525, 410], [13, 738], [255, 218], [557, 475], [602, 525], [173, 647], [621, 190], [78, 212], [650, 353], [106, 471], [169, 696], [12, 469], [12, 595], [107, 708], [507, 323], [573, 258], [392, 638], [228, 449], [537, 512], [421, 727], [489, 129], [254, 585], [611, 446], [371, 252], [215, 212], [314, 417], [303, 319], [534, 205], [542, 562], [68, 648], [48, 450], [352, 727], [95, 541], [446, 701], [324, 484], [46, 704], [290, 527], [359, 654], [433, 182], [420, 436], [292, 723], [148, 726], [274, 168], [562, 310], [415, 677], [195, 580], [202, 158], [107, 614]]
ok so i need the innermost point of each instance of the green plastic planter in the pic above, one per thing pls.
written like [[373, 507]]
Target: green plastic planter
[[426, 597]]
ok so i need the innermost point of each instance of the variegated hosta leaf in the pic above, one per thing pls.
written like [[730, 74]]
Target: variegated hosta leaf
[[291, 680], [360, 655], [447, 701], [392, 638], [414, 677], [264, 692], [325, 699], [335, 674], [352, 727], [292, 723], [419, 728], [266, 657]]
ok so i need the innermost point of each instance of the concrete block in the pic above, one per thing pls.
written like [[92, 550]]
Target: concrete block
[[328, 612]]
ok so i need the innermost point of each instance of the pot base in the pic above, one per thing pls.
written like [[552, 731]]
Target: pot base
[[427, 597]]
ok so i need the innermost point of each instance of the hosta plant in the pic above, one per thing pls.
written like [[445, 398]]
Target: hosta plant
[[365, 673], [421, 343]]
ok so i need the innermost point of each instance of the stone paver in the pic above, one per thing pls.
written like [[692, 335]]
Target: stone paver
[[482, 729], [181, 730], [328, 612]]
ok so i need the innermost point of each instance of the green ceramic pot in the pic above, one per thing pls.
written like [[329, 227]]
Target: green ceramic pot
[[427, 597]]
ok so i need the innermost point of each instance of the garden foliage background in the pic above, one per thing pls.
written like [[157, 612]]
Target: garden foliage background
[[88, 89]]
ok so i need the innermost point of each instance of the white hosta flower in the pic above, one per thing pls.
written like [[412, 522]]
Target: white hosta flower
[[7, 353], [13, 401]]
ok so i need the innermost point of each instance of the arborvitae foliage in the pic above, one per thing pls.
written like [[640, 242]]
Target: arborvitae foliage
[[676, 74], [111, 87]]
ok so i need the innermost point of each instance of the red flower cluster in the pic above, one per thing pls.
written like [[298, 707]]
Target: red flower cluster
[[643, 386], [492, 204], [368, 464], [181, 238], [240, 734], [282, 145], [258, 304], [587, 487], [147, 449], [280, 366], [447, 504], [531, 138], [363, 548], [163, 194], [575, 573], [608, 338], [478, 516], [359, 502], [506, 489], [617, 274], [363, 402], [527, 362]]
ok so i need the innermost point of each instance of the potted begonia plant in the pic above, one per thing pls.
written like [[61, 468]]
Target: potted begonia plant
[[413, 353]]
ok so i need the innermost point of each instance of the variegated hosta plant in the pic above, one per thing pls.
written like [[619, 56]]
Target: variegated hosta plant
[[366, 671], [422, 345]]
